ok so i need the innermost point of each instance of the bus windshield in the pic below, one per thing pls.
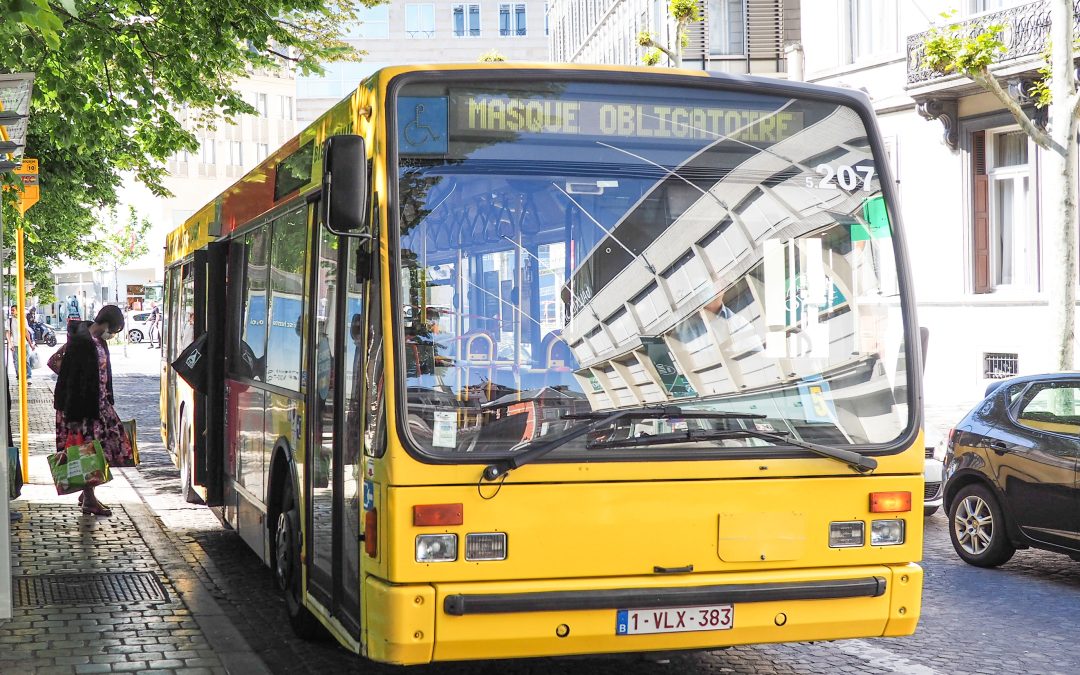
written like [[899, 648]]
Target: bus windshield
[[571, 247]]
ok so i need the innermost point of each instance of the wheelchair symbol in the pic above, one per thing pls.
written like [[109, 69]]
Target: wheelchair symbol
[[418, 133]]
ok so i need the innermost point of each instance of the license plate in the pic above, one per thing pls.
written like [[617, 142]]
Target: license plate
[[674, 619]]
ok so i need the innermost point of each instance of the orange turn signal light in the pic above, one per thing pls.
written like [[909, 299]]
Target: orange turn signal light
[[371, 533], [438, 514], [890, 502]]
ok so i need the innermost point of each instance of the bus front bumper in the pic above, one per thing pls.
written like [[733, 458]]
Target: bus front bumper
[[412, 624]]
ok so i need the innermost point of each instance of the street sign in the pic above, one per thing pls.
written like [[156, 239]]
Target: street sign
[[30, 191]]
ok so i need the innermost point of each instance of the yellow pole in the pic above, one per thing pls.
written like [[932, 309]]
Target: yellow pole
[[20, 322]]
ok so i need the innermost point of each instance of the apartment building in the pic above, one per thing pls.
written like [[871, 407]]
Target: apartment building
[[968, 178], [427, 32], [734, 36]]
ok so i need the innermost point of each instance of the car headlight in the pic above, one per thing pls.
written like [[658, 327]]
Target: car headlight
[[939, 452], [436, 548]]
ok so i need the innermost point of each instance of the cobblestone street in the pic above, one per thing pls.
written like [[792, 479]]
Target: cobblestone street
[[1018, 618]]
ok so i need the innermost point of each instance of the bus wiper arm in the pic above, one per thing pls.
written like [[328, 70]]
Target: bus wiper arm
[[858, 462], [539, 449]]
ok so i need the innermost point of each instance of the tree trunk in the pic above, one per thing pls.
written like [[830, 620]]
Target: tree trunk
[[1060, 179]]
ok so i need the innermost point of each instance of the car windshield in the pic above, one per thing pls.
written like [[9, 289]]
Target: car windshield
[[568, 247]]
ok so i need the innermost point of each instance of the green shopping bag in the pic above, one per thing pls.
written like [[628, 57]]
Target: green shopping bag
[[15, 481], [78, 467]]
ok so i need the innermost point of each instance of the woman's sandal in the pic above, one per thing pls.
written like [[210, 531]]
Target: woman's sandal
[[98, 509]]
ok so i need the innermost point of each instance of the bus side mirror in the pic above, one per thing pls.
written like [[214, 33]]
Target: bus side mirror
[[344, 184]]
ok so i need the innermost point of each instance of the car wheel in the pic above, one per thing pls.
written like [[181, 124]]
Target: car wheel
[[978, 527], [287, 571], [135, 335], [929, 511]]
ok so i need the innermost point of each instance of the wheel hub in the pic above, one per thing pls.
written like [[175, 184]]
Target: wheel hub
[[974, 525]]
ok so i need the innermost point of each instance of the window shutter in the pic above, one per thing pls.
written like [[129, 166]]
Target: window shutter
[[697, 35], [980, 212], [765, 29]]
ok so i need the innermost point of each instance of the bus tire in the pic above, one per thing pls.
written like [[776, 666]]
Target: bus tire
[[187, 486], [287, 571]]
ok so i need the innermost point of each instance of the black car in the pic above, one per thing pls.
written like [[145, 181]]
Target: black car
[[1011, 470]]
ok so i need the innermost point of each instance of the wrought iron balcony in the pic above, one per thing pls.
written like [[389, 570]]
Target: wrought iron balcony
[[1027, 29]]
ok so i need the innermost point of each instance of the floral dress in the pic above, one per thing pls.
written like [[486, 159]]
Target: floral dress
[[106, 427]]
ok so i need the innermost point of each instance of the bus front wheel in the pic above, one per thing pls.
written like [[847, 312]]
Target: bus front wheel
[[287, 570]]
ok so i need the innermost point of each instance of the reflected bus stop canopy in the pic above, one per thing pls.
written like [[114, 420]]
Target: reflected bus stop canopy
[[15, 91]]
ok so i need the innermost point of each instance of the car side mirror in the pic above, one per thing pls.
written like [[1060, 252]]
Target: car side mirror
[[345, 185]]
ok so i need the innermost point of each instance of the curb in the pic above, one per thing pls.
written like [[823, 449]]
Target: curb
[[225, 639]]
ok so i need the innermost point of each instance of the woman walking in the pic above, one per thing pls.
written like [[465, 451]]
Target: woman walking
[[84, 396]]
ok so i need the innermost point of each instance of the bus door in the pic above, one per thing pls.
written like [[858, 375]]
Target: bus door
[[203, 296], [334, 464]]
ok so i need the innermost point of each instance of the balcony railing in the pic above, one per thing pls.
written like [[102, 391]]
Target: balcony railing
[[1027, 29]]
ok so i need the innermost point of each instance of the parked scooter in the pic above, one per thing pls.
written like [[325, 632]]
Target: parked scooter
[[42, 332]]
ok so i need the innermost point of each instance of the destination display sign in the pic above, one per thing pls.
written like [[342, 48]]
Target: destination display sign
[[427, 124], [504, 113]]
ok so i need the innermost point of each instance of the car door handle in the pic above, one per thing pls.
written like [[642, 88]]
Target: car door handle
[[999, 447]]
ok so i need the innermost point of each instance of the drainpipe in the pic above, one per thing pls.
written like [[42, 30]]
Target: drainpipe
[[796, 67]]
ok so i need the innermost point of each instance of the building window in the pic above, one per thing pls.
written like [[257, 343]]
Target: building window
[[261, 151], [286, 107], [262, 107], [371, 22], [979, 6], [512, 19], [546, 10], [727, 27], [236, 153], [420, 20], [467, 20], [1005, 221], [1000, 366], [872, 29], [206, 151]]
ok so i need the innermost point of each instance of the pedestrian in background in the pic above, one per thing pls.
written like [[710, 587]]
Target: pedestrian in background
[[83, 398], [16, 323], [155, 324]]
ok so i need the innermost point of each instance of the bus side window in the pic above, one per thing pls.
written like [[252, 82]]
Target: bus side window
[[287, 254], [250, 348]]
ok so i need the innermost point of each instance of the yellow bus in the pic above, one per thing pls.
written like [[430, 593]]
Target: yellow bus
[[530, 360]]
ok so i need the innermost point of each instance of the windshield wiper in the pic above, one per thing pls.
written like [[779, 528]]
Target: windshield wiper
[[858, 462], [601, 419]]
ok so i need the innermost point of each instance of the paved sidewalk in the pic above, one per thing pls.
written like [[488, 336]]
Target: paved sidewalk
[[101, 595]]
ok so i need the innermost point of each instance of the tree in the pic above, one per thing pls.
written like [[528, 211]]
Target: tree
[[113, 75], [684, 12], [491, 56], [949, 50], [116, 244]]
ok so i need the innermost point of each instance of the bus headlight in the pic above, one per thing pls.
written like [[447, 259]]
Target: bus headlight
[[485, 546], [436, 548], [886, 532], [846, 533]]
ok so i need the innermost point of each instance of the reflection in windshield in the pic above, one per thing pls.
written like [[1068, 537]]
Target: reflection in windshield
[[567, 248]]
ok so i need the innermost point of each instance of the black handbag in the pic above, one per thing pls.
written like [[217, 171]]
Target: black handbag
[[191, 365]]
